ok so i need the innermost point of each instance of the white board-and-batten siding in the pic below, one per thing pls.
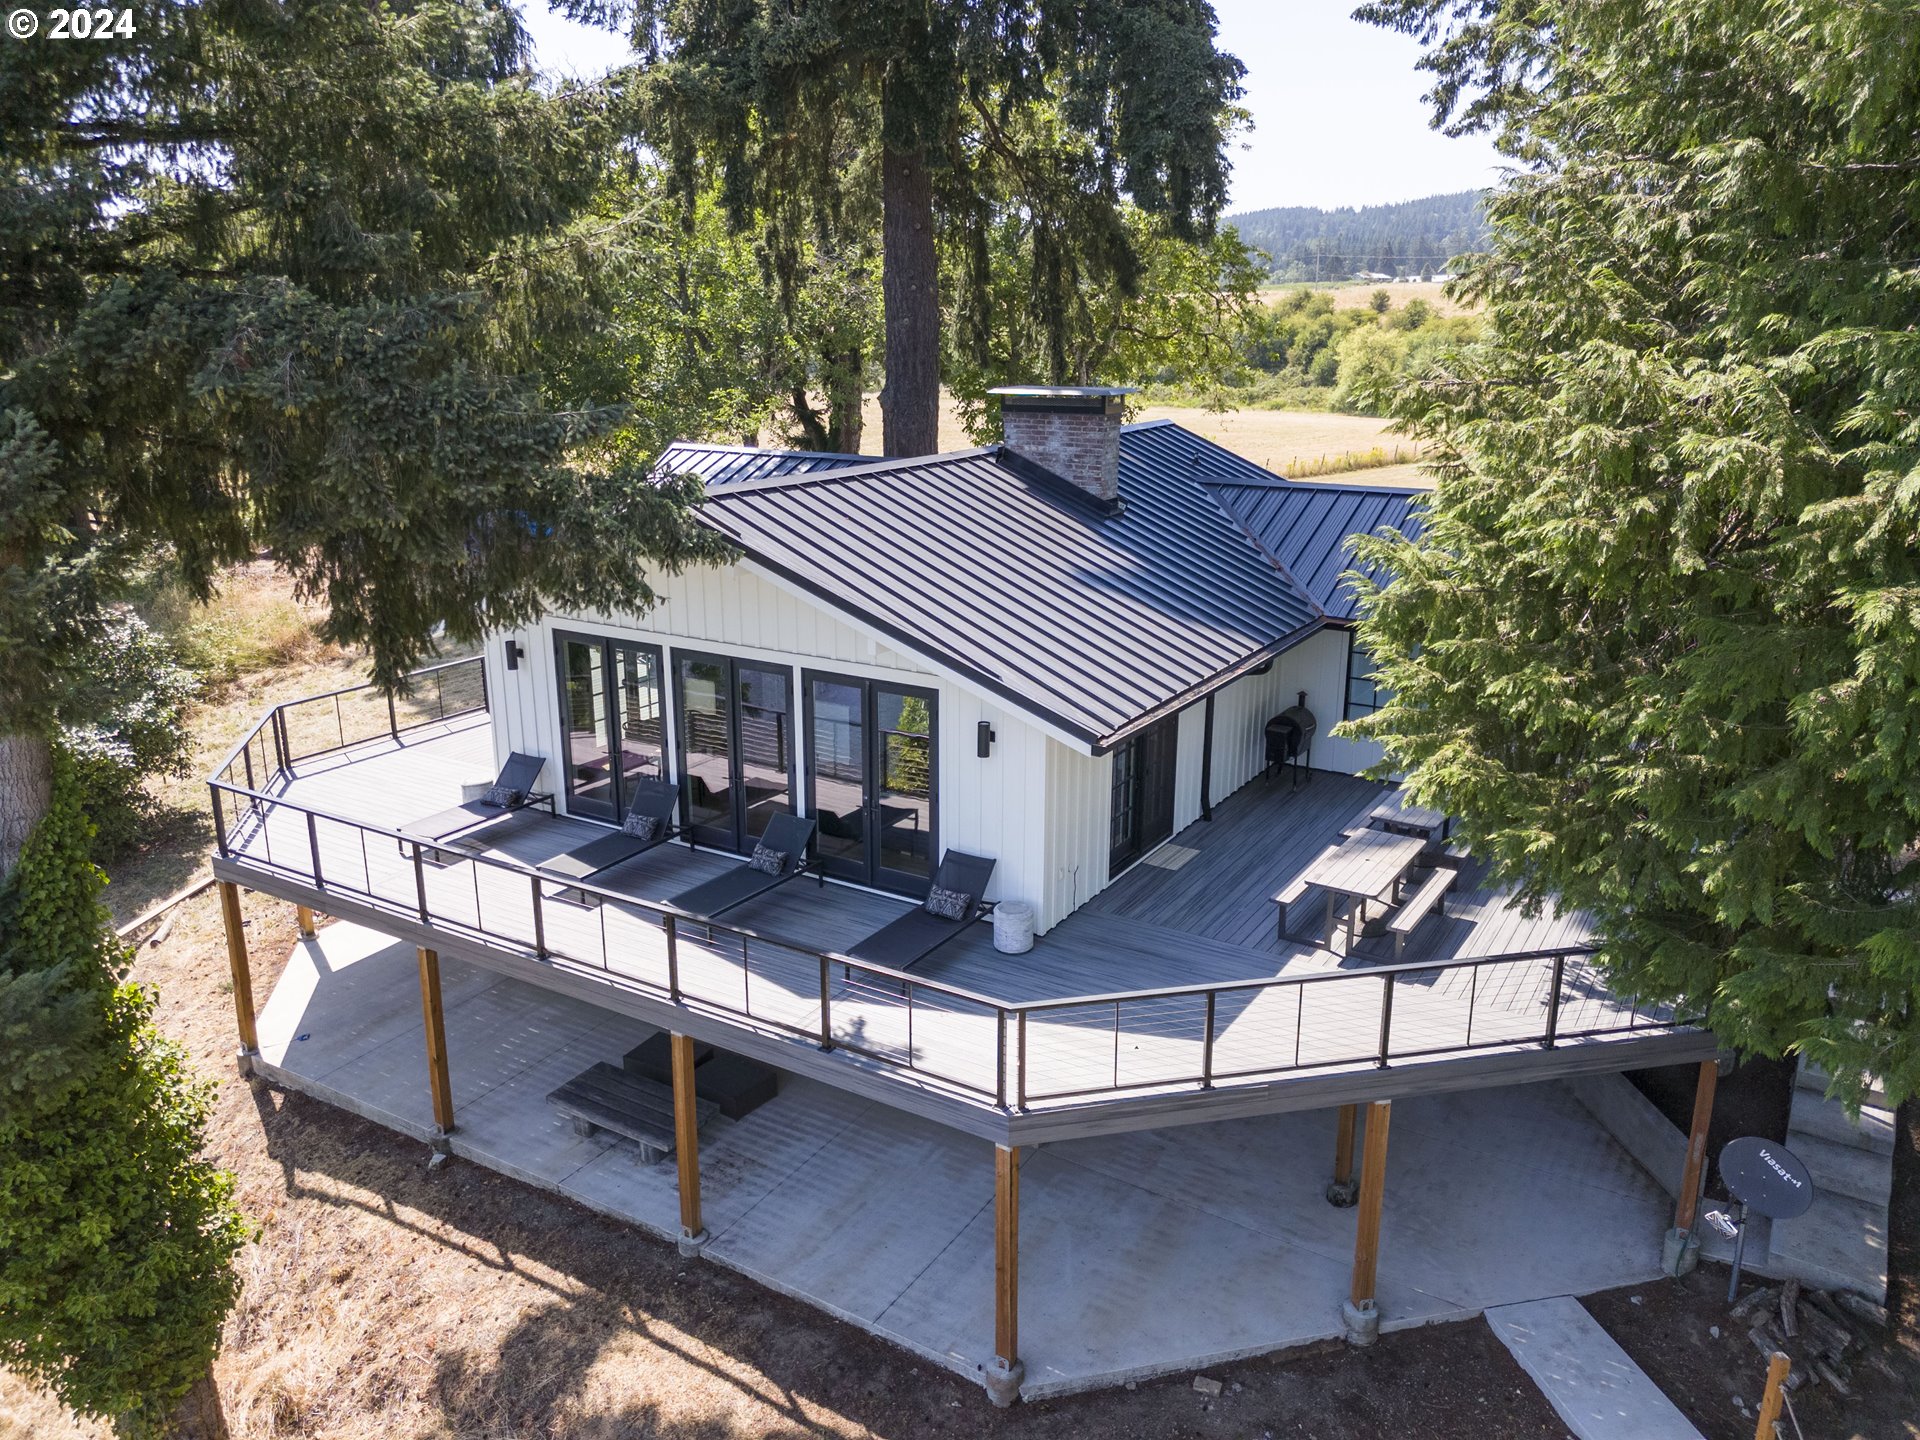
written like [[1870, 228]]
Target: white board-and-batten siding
[[1041, 808]]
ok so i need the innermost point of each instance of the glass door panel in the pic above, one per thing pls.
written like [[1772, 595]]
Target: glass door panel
[[837, 773], [591, 788], [705, 716], [639, 718], [903, 800], [764, 713]]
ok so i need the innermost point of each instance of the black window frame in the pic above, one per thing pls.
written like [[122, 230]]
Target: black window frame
[[1376, 694]]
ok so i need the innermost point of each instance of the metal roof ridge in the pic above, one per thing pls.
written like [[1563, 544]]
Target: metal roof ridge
[[1313, 482], [880, 466], [727, 449]]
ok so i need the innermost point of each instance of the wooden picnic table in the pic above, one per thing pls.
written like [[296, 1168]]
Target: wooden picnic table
[[1395, 813], [1367, 866]]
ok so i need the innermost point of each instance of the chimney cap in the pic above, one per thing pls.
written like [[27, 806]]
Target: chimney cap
[[1062, 392]]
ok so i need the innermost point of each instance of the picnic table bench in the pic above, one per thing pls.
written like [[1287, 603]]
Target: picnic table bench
[[607, 1097]]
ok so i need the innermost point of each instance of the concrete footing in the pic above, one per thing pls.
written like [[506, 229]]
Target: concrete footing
[[1003, 1381], [692, 1245], [1679, 1252], [441, 1141], [1343, 1194], [243, 1062], [1362, 1322]]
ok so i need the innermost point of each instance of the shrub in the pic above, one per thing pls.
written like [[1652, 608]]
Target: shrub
[[122, 710], [117, 1237]]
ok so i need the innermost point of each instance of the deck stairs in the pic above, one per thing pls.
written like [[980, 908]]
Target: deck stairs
[[1841, 1243]]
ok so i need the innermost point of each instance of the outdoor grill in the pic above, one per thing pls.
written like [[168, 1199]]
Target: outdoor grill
[[1290, 738]]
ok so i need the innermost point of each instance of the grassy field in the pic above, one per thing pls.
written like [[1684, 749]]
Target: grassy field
[[1350, 294]]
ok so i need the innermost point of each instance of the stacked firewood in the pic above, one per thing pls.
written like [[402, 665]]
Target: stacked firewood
[[1823, 1332]]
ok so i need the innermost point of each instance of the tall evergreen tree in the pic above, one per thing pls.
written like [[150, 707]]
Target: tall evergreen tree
[[286, 277], [774, 95], [1658, 645]]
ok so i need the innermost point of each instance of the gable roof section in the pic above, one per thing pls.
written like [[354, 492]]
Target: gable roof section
[[1011, 577], [720, 465], [1309, 528]]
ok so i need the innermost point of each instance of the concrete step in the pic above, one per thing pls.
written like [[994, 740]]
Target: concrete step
[[1826, 1120], [1592, 1384], [1812, 1077], [1840, 1244], [1844, 1169]]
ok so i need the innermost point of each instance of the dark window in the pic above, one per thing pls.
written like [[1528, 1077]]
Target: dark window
[[1364, 696]]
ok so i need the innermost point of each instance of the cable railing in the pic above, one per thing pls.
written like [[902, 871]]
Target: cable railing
[[1011, 1054]]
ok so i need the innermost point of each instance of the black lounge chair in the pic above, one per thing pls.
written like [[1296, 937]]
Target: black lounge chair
[[653, 800], [905, 942], [516, 780], [790, 835]]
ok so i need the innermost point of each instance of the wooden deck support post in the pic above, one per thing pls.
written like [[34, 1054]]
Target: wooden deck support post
[[1344, 1191], [1361, 1313], [1006, 1373], [1681, 1252], [686, 1145], [436, 1023], [303, 917], [242, 977]]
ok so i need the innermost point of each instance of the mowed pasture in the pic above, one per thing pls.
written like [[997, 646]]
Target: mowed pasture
[[1352, 294]]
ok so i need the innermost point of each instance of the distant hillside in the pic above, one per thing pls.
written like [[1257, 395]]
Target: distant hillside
[[1415, 237]]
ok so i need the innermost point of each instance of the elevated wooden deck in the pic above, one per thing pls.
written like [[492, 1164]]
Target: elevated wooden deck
[[1004, 1046]]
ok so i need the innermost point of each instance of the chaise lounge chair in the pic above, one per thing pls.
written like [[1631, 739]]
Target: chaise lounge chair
[[905, 942], [649, 823], [787, 836], [511, 792]]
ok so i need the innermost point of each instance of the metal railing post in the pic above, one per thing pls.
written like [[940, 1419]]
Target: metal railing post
[[1553, 1000], [826, 1006], [1000, 1059], [671, 924], [420, 881], [393, 719], [1386, 1021], [1206, 1045], [219, 821], [539, 921], [313, 848], [1021, 1089]]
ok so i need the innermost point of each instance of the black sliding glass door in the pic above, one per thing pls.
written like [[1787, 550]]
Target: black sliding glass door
[[611, 720], [735, 723], [872, 778], [1143, 776]]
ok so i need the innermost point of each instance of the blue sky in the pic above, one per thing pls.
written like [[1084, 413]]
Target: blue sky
[[1338, 118]]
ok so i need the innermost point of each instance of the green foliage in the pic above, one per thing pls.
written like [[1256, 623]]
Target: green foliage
[[121, 713], [296, 279], [1658, 645], [117, 1237]]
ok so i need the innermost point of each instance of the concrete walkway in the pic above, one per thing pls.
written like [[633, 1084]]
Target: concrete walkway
[[1590, 1381], [1140, 1254]]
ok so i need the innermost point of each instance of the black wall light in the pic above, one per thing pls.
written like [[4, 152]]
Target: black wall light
[[513, 655], [986, 739]]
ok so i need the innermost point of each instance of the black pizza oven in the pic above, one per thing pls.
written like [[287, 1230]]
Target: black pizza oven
[[1290, 738]]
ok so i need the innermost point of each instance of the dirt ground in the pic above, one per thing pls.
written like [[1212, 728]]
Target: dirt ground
[[1668, 1330]]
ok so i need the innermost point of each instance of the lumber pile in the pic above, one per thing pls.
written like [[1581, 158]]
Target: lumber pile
[[1822, 1332]]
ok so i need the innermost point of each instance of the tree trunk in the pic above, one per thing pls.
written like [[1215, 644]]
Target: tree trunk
[[26, 790], [1903, 1225], [201, 1415], [910, 288], [845, 396]]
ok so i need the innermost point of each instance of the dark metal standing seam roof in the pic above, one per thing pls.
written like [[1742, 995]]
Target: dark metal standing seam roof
[[727, 464], [1098, 622], [1309, 526]]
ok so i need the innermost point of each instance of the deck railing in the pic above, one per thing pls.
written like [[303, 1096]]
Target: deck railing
[[1006, 1053]]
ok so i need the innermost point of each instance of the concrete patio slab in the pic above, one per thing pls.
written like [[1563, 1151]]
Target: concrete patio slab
[[1588, 1379], [1142, 1253]]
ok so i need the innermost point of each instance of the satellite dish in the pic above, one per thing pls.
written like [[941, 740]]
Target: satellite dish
[[1766, 1177]]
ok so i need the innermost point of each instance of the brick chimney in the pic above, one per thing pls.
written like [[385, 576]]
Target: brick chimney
[[1073, 430]]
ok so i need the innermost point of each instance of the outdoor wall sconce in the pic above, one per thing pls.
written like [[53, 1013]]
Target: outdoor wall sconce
[[513, 655], [986, 739]]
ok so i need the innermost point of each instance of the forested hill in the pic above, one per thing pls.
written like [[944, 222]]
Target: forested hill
[[1415, 237]]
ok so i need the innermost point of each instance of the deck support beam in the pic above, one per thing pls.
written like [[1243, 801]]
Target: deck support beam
[[1006, 1373], [303, 917], [1681, 1252], [242, 977], [1361, 1312], [436, 1024], [1344, 1190], [686, 1144]]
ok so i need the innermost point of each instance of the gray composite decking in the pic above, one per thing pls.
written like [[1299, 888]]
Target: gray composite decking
[[1195, 913]]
